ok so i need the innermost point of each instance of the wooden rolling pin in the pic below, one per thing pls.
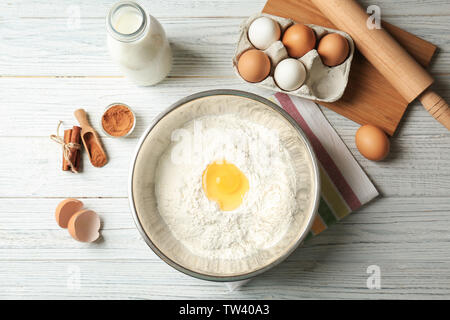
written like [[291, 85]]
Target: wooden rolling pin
[[387, 56]]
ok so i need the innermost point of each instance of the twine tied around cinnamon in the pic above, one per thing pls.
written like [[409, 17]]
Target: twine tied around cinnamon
[[67, 153]]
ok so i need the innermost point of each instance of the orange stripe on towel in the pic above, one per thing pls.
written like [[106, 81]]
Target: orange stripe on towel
[[318, 225]]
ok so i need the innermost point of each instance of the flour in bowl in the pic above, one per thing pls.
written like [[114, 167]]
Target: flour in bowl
[[268, 207]]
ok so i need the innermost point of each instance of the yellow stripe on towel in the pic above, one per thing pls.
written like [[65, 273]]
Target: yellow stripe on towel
[[333, 198]]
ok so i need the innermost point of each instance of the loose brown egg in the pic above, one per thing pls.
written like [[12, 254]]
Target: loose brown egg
[[333, 49], [65, 210], [372, 142], [299, 40], [84, 226], [254, 65]]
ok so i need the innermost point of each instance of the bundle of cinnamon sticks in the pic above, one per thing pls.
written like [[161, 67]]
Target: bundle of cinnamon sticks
[[72, 136]]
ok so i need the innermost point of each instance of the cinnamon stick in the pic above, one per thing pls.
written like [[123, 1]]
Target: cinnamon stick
[[78, 161], [67, 136], [74, 138]]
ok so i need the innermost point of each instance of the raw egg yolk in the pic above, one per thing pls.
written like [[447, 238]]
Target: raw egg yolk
[[224, 183]]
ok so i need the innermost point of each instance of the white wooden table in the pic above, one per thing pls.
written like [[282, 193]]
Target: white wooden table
[[52, 63]]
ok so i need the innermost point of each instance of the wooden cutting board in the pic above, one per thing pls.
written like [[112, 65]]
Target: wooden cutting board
[[369, 98]]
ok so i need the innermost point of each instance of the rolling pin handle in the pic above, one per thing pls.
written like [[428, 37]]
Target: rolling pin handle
[[436, 106]]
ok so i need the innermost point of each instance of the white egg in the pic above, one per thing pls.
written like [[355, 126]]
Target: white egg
[[290, 74], [263, 32]]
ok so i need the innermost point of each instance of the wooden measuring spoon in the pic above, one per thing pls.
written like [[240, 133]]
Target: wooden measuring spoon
[[91, 141]]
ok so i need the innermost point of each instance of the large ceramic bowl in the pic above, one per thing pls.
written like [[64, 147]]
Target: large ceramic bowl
[[155, 141]]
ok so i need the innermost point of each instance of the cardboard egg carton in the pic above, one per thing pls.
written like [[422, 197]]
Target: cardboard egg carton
[[322, 83]]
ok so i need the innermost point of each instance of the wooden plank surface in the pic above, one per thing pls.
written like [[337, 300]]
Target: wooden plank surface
[[47, 70], [196, 55]]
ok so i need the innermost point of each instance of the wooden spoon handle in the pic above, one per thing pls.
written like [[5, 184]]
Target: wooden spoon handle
[[436, 106], [81, 116]]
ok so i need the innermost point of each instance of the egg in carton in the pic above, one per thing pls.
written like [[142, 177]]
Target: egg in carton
[[322, 83]]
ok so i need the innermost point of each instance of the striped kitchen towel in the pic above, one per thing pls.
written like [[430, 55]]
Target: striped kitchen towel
[[345, 186]]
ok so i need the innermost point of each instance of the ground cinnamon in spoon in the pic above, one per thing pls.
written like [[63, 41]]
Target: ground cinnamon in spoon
[[98, 158], [118, 120]]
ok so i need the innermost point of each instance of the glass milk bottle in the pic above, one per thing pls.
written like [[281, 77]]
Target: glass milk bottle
[[137, 42]]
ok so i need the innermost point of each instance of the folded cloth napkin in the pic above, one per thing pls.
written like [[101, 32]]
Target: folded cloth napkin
[[345, 187]]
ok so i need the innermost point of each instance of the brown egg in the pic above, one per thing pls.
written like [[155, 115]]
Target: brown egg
[[372, 142], [333, 49], [299, 40], [254, 65], [84, 226], [65, 210]]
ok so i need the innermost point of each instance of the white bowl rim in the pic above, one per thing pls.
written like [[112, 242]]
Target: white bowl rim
[[316, 177]]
